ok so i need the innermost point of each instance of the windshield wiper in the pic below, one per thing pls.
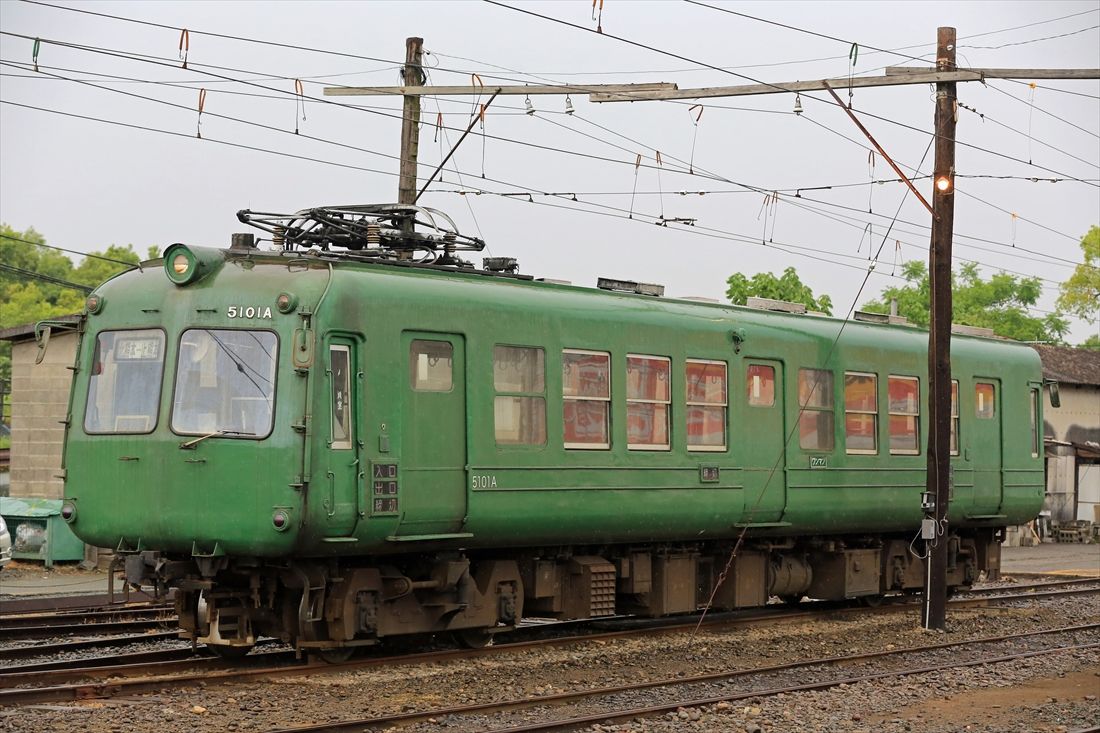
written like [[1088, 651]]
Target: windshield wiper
[[190, 444]]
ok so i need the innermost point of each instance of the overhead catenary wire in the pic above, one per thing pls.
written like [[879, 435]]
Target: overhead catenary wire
[[70, 251], [45, 278], [613, 161]]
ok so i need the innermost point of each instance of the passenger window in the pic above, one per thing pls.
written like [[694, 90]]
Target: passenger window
[[519, 408], [954, 417], [586, 398], [760, 385], [706, 405], [904, 397], [430, 364], [860, 413], [340, 366], [815, 399], [648, 397], [984, 399]]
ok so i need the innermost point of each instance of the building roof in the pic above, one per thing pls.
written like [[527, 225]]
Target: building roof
[[1069, 365], [25, 331]]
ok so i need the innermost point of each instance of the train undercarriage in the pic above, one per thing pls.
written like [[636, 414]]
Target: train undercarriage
[[331, 606]]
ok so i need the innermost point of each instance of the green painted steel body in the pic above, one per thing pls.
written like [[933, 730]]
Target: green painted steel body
[[456, 488]]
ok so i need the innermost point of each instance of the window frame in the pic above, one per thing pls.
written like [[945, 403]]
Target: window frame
[[413, 365], [807, 409], [1036, 433], [956, 423], [641, 401], [349, 443], [993, 401], [498, 393], [873, 413], [688, 404], [160, 383], [748, 384], [916, 415], [274, 384], [605, 400]]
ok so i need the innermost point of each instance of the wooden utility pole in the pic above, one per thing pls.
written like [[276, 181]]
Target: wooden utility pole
[[413, 75], [934, 608]]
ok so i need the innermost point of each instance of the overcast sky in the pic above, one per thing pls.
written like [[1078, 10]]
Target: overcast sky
[[86, 185]]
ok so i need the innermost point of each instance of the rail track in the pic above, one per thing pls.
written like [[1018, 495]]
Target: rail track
[[134, 674], [617, 712]]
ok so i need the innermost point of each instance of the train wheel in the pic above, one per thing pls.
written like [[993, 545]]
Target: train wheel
[[473, 638], [229, 653], [336, 656]]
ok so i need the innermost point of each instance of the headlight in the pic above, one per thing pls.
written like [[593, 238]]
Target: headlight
[[185, 265]]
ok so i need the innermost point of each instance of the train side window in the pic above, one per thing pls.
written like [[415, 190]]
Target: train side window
[[815, 400], [430, 364], [340, 366], [760, 385], [954, 417], [706, 405], [985, 396], [648, 399], [519, 407], [904, 394], [1036, 434], [860, 413], [586, 399]]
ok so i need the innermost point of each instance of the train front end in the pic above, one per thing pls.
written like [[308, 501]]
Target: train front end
[[185, 445]]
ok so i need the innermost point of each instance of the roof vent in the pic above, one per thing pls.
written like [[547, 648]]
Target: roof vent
[[629, 286], [500, 264], [880, 318], [962, 330], [242, 241], [783, 306]]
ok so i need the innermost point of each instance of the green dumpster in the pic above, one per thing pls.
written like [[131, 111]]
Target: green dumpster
[[38, 532]]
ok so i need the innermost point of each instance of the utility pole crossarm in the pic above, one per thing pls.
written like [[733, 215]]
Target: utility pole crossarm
[[629, 90], [1003, 73], [895, 76]]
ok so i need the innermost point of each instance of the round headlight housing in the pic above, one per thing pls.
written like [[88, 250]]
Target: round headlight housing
[[184, 264], [280, 520], [94, 303], [68, 512], [286, 302]]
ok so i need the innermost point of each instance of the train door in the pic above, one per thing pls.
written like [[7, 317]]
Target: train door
[[762, 440], [433, 435], [343, 475], [987, 446]]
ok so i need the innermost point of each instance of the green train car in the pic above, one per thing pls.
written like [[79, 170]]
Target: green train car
[[357, 435]]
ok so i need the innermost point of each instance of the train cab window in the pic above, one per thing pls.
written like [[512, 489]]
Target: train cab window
[[904, 398], [648, 399], [124, 389], [519, 408], [586, 399], [815, 399], [985, 396], [706, 405], [760, 385], [1036, 434], [430, 365], [225, 383], [860, 413], [340, 370], [954, 417]]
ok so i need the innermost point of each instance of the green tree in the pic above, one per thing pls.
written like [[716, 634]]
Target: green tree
[[1092, 342], [23, 299], [1001, 303], [787, 287], [1080, 295]]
